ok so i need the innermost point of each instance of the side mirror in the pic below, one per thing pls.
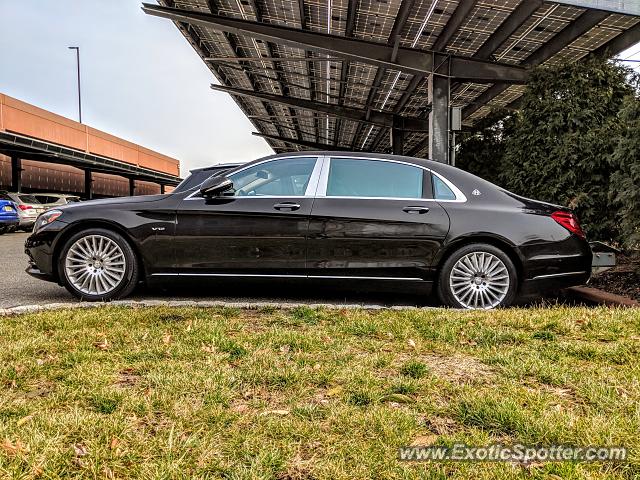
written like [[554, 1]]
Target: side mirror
[[215, 186]]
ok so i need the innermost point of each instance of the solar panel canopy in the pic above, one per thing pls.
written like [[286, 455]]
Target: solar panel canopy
[[348, 94]]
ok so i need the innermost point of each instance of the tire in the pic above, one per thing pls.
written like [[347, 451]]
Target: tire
[[98, 265], [478, 276]]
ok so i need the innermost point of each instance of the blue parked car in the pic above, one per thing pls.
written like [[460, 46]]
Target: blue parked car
[[9, 219]]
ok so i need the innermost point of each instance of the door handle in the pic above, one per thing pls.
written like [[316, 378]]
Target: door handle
[[419, 210], [287, 206]]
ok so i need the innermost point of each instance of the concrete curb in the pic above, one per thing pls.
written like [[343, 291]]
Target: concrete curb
[[4, 312], [601, 297]]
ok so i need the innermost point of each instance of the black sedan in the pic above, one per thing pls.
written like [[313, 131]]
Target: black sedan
[[319, 215]]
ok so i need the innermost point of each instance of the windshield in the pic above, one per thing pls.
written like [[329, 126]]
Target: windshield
[[28, 199], [197, 177]]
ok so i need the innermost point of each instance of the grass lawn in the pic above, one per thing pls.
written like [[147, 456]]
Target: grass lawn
[[207, 393]]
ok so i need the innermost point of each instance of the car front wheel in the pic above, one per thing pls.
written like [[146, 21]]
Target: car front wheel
[[98, 265], [478, 276]]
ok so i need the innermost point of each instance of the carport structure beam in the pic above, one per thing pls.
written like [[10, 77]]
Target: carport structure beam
[[439, 93], [408, 60], [566, 36], [438, 137], [397, 141], [132, 187], [88, 184], [301, 143], [16, 173], [375, 117]]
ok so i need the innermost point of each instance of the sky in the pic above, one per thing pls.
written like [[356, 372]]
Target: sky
[[140, 78]]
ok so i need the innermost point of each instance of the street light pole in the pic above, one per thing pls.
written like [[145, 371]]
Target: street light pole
[[77, 49]]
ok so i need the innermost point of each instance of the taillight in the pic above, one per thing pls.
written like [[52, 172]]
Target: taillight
[[25, 207], [569, 221]]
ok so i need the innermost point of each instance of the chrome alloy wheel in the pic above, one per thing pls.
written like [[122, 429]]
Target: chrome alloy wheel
[[95, 265], [479, 280]]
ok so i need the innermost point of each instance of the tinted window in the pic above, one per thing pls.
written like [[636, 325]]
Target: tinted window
[[28, 199], [441, 191], [284, 178], [373, 178], [46, 199]]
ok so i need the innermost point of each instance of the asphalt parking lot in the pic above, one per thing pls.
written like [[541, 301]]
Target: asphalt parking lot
[[19, 289]]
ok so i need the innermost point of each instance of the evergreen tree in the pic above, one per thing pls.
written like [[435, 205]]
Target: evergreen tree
[[625, 182], [481, 150]]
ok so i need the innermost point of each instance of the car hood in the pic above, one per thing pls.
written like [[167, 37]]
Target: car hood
[[106, 202]]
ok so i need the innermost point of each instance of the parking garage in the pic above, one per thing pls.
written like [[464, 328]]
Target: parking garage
[[44, 152]]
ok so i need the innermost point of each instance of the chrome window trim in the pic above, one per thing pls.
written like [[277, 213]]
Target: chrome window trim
[[312, 186], [321, 191], [315, 174], [324, 179]]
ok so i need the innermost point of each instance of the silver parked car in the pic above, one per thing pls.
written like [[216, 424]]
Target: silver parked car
[[28, 208], [50, 200]]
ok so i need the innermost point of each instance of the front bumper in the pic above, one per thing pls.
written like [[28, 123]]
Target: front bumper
[[35, 272], [39, 247]]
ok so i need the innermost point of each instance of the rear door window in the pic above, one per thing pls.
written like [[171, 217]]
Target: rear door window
[[350, 177], [441, 190]]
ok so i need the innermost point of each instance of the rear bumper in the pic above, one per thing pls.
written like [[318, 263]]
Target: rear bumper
[[554, 281], [8, 221], [555, 265], [27, 222]]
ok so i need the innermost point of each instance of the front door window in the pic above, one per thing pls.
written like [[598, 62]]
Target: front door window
[[279, 178]]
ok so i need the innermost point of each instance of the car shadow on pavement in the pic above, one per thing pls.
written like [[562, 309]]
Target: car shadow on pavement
[[286, 291]]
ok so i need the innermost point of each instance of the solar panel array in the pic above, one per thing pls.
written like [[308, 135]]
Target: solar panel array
[[241, 61]]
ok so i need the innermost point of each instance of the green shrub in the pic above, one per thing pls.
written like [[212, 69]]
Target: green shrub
[[625, 181]]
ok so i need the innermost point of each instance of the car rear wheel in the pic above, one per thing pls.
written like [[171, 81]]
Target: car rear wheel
[[478, 276], [98, 265]]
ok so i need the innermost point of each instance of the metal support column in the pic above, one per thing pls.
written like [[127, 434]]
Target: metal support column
[[161, 188], [88, 184], [397, 136], [16, 174], [439, 90], [132, 187]]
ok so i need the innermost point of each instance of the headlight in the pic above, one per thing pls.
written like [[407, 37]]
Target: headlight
[[46, 218]]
